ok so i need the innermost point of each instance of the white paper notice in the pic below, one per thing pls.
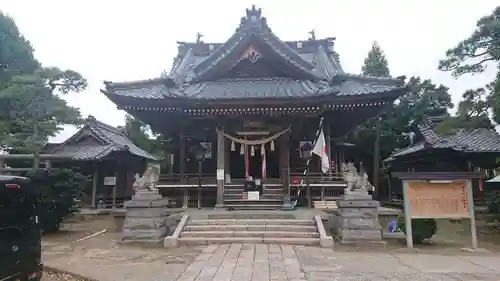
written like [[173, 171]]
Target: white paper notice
[[220, 174], [109, 181], [253, 195]]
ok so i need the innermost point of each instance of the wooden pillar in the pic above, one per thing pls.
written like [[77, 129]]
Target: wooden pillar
[[221, 152], [227, 158], [376, 160], [171, 161], [36, 160], [182, 155], [115, 186], [328, 145], [284, 147], [95, 180], [182, 166], [48, 164]]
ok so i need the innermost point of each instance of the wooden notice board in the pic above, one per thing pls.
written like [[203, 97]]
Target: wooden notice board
[[437, 199], [447, 199]]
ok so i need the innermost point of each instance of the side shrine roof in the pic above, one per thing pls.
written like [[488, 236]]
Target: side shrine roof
[[469, 141], [96, 140], [295, 69]]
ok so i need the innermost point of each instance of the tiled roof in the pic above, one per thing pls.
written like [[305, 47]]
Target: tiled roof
[[254, 88], [254, 28], [410, 149], [472, 141], [107, 138], [312, 67], [319, 53]]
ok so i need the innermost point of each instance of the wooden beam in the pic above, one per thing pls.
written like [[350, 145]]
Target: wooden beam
[[31, 156], [13, 170]]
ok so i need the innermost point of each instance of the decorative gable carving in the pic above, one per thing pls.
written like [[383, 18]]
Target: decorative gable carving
[[252, 54]]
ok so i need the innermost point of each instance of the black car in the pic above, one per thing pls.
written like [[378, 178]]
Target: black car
[[20, 230]]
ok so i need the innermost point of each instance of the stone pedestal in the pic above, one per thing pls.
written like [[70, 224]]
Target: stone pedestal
[[357, 222], [145, 217]]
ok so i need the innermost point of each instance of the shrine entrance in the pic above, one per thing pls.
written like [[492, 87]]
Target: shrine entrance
[[254, 154]]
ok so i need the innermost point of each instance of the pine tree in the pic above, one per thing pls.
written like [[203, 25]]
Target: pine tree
[[376, 63]]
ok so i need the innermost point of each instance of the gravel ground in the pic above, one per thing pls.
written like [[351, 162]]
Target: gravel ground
[[51, 276]]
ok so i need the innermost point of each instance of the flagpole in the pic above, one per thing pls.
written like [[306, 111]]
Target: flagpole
[[306, 170]]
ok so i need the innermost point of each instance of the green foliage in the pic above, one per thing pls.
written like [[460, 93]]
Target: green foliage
[[424, 98], [30, 108], [421, 228], [60, 190], [494, 96], [471, 54], [376, 63], [472, 113], [494, 204], [16, 53], [137, 132]]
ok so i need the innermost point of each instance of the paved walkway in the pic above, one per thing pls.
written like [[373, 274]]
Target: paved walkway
[[242, 262]]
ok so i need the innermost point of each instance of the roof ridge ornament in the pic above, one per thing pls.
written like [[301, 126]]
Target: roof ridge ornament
[[254, 14], [198, 38], [253, 17], [313, 35]]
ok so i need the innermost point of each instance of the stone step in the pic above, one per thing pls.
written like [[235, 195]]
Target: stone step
[[241, 190], [253, 206], [261, 227], [252, 202], [273, 234], [142, 234], [255, 215], [252, 222], [252, 240], [263, 196]]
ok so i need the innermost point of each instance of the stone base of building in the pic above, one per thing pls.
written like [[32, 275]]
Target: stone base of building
[[357, 221], [145, 218]]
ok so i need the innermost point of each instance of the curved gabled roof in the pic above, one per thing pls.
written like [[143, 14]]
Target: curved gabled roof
[[297, 69], [106, 139], [480, 140], [259, 88]]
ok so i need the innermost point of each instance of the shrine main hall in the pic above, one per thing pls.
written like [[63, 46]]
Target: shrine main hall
[[251, 107]]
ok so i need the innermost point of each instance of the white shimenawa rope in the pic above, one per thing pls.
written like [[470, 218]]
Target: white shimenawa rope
[[254, 142]]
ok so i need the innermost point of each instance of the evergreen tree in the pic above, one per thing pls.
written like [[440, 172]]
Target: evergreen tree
[[31, 106], [472, 55], [376, 63], [137, 132]]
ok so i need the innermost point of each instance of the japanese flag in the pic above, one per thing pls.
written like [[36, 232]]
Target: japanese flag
[[321, 150]]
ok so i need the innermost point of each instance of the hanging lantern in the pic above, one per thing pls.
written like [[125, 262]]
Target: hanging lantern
[[242, 149], [252, 150], [272, 145], [233, 146]]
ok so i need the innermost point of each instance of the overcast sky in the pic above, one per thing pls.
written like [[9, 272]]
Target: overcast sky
[[128, 40]]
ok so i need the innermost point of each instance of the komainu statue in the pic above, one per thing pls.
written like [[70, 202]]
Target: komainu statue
[[356, 183], [148, 180]]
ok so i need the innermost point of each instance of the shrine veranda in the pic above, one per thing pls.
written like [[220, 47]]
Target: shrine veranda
[[252, 103]]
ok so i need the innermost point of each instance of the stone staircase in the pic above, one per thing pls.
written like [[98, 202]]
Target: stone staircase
[[271, 198], [253, 229]]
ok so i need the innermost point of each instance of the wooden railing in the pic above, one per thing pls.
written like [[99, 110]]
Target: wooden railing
[[183, 192], [206, 178], [316, 177]]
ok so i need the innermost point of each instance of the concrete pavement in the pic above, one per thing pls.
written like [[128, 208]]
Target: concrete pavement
[[260, 262]]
